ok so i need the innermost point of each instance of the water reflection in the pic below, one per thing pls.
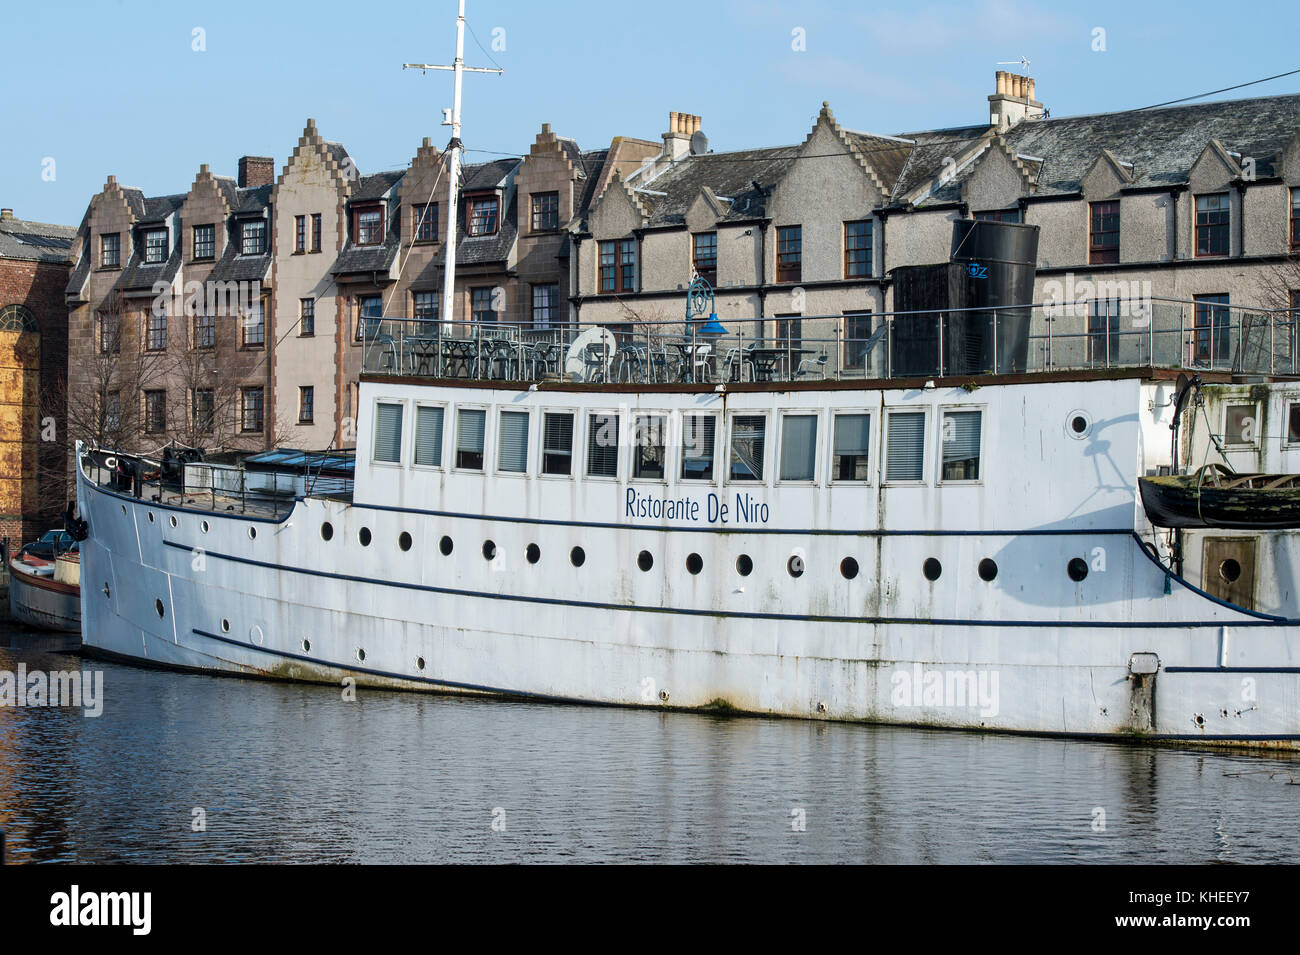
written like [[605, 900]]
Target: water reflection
[[295, 774]]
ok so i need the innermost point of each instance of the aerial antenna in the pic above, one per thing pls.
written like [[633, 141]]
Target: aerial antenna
[[451, 117], [1023, 63]]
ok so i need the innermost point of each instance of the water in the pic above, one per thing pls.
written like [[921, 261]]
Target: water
[[290, 773]]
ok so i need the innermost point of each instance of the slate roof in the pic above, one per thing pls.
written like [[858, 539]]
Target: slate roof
[[729, 175], [374, 258], [141, 275], [233, 267], [35, 241]]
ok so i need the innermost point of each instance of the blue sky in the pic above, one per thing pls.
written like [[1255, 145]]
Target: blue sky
[[115, 86]]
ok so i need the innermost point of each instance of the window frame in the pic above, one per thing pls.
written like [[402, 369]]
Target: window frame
[[943, 410], [307, 313], [846, 318], [783, 257], [424, 218], [1197, 225], [529, 436], [211, 230], [534, 211], [415, 428], [1231, 403], [155, 331], [926, 454], [1294, 196], [1102, 254], [116, 263], [708, 273], [1289, 399], [544, 413], [472, 202], [317, 230], [245, 325], [762, 480], [587, 435], [300, 235], [554, 305], [195, 422], [307, 391], [243, 409], [475, 290], [716, 477], [368, 209], [782, 415], [374, 431], [149, 254], [148, 416], [634, 444], [455, 438], [244, 227], [205, 330], [869, 249], [873, 447]]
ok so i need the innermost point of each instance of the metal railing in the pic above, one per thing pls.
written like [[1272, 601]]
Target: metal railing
[[1107, 333], [209, 486]]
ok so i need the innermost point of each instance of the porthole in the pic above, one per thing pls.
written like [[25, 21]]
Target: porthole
[[744, 565], [1077, 568], [151, 517], [445, 546], [327, 531], [361, 655], [108, 591], [419, 663], [306, 646], [577, 557], [645, 560], [533, 553], [225, 625], [252, 533], [694, 563], [1230, 570], [158, 606], [988, 569], [932, 569], [204, 527], [795, 565], [123, 508], [173, 520], [849, 568], [1078, 424], [363, 536], [489, 550], [404, 540]]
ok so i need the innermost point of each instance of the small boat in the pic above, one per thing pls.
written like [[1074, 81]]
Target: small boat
[[46, 593], [1217, 496]]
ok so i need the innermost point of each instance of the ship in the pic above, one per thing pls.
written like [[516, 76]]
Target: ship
[[45, 592], [946, 532]]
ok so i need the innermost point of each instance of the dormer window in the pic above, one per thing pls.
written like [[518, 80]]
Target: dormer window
[[110, 251], [155, 246], [368, 225], [482, 214], [252, 237], [999, 215]]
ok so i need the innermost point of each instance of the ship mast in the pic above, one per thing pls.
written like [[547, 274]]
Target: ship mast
[[451, 117]]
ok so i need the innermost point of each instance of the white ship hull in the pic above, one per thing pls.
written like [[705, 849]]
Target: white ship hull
[[1137, 652]]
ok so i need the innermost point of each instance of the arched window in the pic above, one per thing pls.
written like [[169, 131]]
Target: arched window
[[17, 318]]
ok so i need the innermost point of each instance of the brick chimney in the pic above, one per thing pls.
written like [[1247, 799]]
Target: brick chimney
[[677, 141], [1012, 100], [256, 171], [6, 213]]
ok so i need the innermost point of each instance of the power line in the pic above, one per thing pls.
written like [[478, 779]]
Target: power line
[[1226, 89]]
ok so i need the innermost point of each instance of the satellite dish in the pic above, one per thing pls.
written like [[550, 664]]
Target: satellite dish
[[575, 360], [699, 143]]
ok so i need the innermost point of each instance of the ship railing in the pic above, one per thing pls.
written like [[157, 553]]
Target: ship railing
[[1203, 334], [210, 486]]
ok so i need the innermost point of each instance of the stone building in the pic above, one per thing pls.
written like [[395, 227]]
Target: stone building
[[1197, 203], [33, 364]]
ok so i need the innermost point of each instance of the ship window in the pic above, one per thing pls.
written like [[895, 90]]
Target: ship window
[[961, 445], [851, 447], [699, 438], [795, 565], [577, 557], [445, 545], [645, 560], [744, 565], [404, 540], [932, 569], [849, 568], [557, 443], [1077, 569], [1239, 424], [798, 447], [158, 606], [905, 446], [648, 454], [512, 442], [694, 563], [489, 550], [1293, 423], [988, 569], [363, 536], [428, 436], [533, 553], [602, 445], [469, 438], [327, 531], [388, 432], [748, 434]]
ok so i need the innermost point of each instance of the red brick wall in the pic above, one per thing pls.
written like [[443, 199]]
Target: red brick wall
[[39, 286]]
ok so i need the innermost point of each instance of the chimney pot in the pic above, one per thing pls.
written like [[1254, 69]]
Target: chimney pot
[[1030, 92], [6, 213], [546, 128], [1000, 80]]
